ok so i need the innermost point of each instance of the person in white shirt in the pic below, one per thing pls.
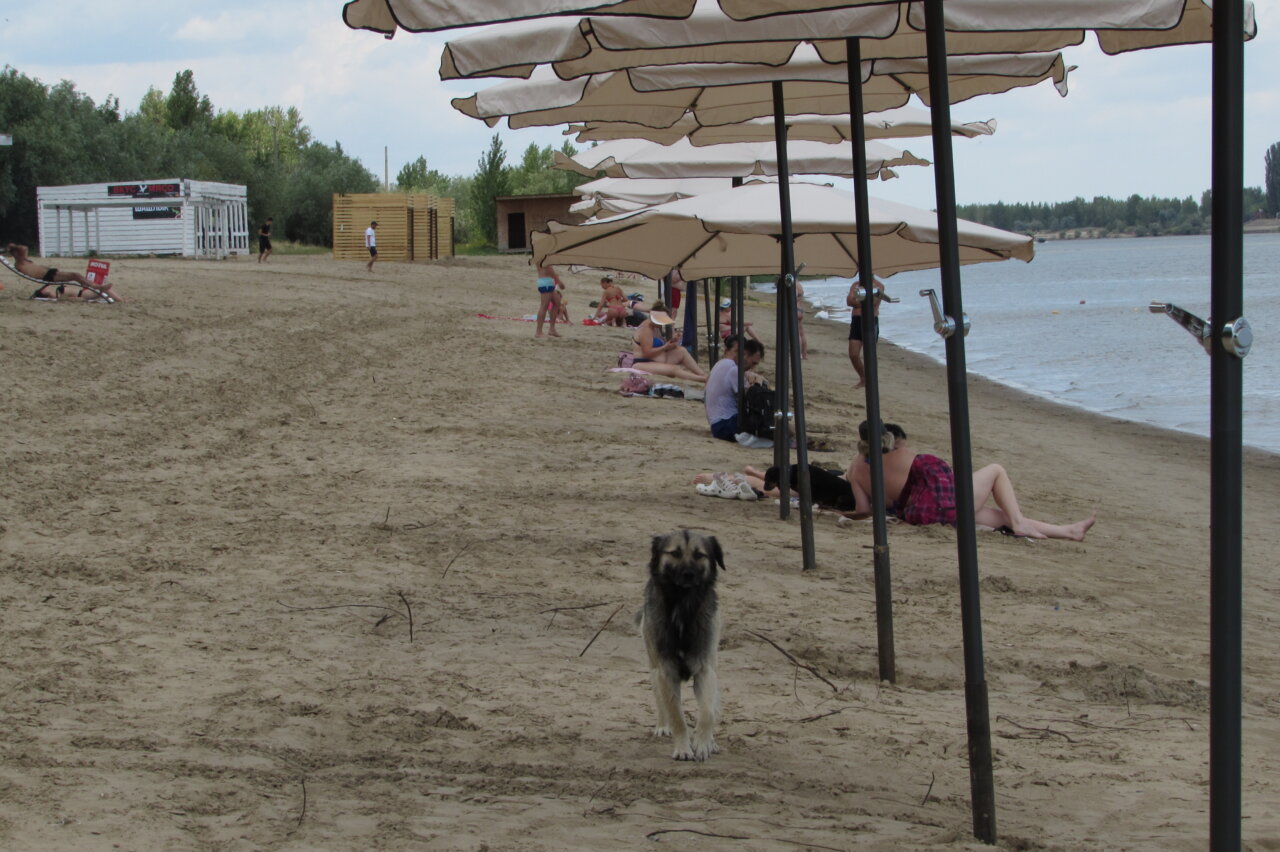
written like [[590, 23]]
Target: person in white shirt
[[371, 243], [721, 398]]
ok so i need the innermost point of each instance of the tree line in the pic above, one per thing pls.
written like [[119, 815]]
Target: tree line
[[60, 137], [1132, 216]]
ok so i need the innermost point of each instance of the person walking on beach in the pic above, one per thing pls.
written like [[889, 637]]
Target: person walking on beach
[[371, 243], [549, 287], [264, 241], [855, 325], [920, 489]]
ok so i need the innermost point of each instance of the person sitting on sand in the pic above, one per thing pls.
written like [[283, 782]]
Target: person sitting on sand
[[23, 263], [721, 400], [658, 351], [920, 489], [613, 303], [726, 322]]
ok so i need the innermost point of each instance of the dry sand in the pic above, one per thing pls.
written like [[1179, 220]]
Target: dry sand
[[221, 501]]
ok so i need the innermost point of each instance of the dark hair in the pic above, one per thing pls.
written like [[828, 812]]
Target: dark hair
[[864, 430], [754, 347]]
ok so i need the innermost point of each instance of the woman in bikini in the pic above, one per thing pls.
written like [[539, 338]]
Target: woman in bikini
[[658, 351]]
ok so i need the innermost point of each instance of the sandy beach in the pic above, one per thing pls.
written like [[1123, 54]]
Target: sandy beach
[[294, 556]]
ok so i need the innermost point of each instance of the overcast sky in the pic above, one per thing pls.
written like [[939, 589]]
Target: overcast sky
[[1131, 124]]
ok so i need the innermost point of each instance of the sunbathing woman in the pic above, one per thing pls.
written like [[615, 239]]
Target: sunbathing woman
[[658, 351], [920, 489]]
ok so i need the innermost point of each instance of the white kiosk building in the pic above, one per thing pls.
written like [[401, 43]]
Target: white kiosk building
[[191, 218]]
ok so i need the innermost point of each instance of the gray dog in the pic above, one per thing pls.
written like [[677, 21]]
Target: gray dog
[[680, 623]]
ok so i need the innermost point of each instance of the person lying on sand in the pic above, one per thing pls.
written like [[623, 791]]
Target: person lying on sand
[[920, 489], [23, 263], [923, 487]]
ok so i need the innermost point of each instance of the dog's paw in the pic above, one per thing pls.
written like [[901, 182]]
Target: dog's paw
[[702, 750], [683, 751], [662, 731]]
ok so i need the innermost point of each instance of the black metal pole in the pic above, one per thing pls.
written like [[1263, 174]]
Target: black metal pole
[[713, 323], [866, 280], [792, 310], [1226, 390], [981, 780], [781, 448], [690, 334]]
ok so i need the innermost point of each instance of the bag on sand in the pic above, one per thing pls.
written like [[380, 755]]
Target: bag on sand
[[636, 384], [756, 417]]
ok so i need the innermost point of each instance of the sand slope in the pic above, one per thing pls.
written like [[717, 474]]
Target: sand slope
[[221, 501]]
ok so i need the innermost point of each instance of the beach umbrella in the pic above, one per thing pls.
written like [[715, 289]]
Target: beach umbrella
[[897, 123], [736, 231], [659, 97], [419, 16], [626, 195], [681, 159], [598, 43]]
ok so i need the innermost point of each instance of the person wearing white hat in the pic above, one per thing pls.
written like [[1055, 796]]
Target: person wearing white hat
[[726, 321], [657, 350]]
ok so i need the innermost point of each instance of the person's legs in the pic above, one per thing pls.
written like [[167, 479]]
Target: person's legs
[[993, 482], [680, 357], [544, 302], [671, 371], [855, 358], [554, 312], [804, 341]]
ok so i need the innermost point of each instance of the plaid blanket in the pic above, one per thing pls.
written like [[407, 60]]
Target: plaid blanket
[[929, 495]]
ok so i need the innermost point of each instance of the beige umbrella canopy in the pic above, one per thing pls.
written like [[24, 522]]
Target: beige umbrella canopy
[[626, 195], [658, 97], [1119, 26], [386, 16], [737, 232], [890, 124], [624, 159], [596, 44]]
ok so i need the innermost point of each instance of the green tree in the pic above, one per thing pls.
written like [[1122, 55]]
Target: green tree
[[186, 107], [491, 180], [1271, 178]]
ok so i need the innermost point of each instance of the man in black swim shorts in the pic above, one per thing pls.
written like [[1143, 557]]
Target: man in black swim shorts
[[264, 240]]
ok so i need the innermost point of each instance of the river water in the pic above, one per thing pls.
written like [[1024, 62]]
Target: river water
[[1073, 326]]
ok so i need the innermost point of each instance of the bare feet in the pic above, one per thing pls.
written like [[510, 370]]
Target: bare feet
[[554, 333], [1081, 528], [860, 384]]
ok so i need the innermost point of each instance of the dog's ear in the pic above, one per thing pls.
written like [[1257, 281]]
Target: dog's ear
[[655, 555], [717, 554]]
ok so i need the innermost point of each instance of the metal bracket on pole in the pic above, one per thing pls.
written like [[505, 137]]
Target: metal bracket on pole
[[1237, 337], [861, 294], [944, 325]]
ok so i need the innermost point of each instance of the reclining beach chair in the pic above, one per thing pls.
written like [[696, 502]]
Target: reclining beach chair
[[95, 274]]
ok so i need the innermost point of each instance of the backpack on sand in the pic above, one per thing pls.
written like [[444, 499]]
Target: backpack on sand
[[756, 416]]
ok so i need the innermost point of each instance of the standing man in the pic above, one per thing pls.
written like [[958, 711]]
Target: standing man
[[721, 398], [855, 325], [371, 243], [264, 241]]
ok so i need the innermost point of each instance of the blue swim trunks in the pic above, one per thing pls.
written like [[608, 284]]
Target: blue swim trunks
[[546, 285]]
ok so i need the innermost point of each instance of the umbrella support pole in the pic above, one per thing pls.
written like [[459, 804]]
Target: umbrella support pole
[[789, 352], [1226, 390], [981, 775], [866, 281]]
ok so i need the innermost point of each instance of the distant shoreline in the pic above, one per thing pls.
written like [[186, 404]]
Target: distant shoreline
[[1255, 226]]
